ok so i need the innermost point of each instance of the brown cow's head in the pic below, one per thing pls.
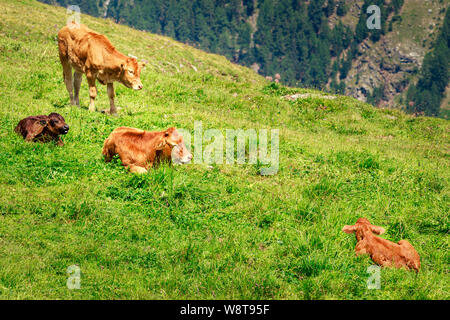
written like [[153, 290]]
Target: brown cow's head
[[131, 73], [172, 139], [56, 124], [361, 227]]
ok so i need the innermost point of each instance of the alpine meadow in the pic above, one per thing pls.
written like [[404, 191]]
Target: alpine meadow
[[207, 231]]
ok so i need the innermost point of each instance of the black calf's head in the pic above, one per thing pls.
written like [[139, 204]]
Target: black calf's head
[[56, 124]]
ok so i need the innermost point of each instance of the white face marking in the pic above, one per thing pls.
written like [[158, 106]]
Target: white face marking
[[137, 87], [176, 158]]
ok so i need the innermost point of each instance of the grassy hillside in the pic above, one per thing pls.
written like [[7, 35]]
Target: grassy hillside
[[198, 232]]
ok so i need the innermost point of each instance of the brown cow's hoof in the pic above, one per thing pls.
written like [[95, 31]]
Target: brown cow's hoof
[[108, 111], [138, 170]]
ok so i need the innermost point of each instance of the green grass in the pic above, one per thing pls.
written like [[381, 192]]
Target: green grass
[[194, 232]]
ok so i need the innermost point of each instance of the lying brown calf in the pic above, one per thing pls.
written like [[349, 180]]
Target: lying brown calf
[[382, 251], [139, 150], [43, 128]]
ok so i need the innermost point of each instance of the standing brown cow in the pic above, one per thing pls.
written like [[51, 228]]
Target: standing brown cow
[[93, 54]]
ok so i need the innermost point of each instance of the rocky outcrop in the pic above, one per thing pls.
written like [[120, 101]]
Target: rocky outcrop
[[392, 63], [381, 65]]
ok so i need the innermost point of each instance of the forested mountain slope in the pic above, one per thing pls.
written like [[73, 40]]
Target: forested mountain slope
[[322, 44]]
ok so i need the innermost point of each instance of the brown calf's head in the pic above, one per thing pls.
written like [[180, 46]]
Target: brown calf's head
[[56, 124], [361, 227], [172, 139], [131, 73]]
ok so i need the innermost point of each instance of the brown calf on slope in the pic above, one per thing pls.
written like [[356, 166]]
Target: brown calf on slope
[[139, 150], [383, 252], [91, 53], [43, 128]]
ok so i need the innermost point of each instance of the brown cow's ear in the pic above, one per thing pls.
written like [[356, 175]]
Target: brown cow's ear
[[170, 136], [122, 69], [35, 129], [162, 141], [377, 230], [169, 131], [349, 229]]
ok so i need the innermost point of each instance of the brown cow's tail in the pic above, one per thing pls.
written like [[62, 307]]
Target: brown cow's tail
[[108, 150], [63, 45]]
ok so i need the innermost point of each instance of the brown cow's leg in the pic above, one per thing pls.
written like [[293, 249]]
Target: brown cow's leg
[[412, 257], [112, 107], [59, 142], [67, 74], [77, 77], [132, 166], [30, 136], [108, 150], [92, 91], [137, 169], [108, 157]]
